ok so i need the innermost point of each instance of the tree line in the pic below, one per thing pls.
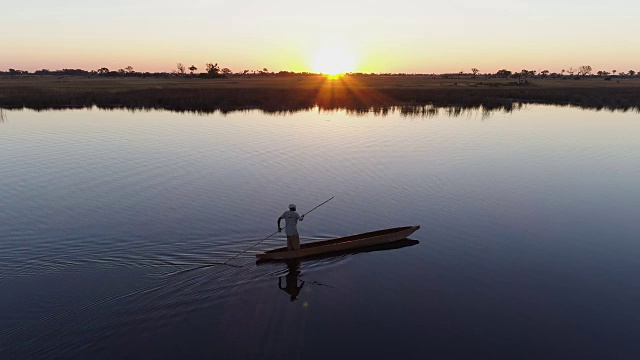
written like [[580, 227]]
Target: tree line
[[213, 70], [582, 71]]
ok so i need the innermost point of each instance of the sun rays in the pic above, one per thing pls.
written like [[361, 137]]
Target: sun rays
[[347, 92]]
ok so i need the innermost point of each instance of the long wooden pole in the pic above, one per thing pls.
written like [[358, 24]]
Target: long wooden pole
[[318, 206]]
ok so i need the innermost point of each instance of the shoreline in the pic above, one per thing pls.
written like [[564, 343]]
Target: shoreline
[[291, 94]]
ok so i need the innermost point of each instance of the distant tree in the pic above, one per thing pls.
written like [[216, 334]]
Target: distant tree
[[192, 68], [121, 71], [226, 71], [544, 73], [103, 71], [584, 70], [213, 69], [562, 72], [632, 73], [265, 70], [245, 72], [523, 74], [180, 68], [503, 73], [129, 69], [614, 71], [475, 71], [571, 70]]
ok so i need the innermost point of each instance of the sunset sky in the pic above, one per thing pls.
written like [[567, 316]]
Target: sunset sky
[[365, 36]]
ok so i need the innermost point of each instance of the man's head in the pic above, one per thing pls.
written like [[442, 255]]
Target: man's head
[[292, 207]]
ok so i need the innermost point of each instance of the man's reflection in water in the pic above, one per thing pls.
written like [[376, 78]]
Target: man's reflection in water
[[291, 286]]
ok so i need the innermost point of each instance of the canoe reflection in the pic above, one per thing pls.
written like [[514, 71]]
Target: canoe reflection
[[292, 285], [383, 247]]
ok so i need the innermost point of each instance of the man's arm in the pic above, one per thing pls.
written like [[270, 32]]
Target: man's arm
[[279, 228]]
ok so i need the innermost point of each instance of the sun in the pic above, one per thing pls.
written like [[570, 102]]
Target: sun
[[333, 61]]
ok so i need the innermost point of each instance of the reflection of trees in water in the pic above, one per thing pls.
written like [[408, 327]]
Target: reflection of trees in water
[[3, 115], [431, 111], [409, 111]]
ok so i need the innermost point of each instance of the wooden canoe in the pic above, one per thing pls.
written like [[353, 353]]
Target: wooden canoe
[[373, 248], [341, 244]]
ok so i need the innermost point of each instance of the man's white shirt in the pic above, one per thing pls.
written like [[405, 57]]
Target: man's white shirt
[[291, 221]]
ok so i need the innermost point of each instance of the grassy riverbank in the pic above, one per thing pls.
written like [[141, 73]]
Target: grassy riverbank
[[275, 94]]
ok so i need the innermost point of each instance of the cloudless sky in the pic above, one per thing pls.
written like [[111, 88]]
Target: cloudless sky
[[391, 36]]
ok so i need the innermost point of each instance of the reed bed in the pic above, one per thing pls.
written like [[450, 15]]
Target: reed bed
[[297, 94]]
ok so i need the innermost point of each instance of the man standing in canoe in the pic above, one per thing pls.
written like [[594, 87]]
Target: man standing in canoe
[[291, 218]]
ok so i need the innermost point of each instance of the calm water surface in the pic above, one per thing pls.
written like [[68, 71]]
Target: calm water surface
[[529, 247]]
